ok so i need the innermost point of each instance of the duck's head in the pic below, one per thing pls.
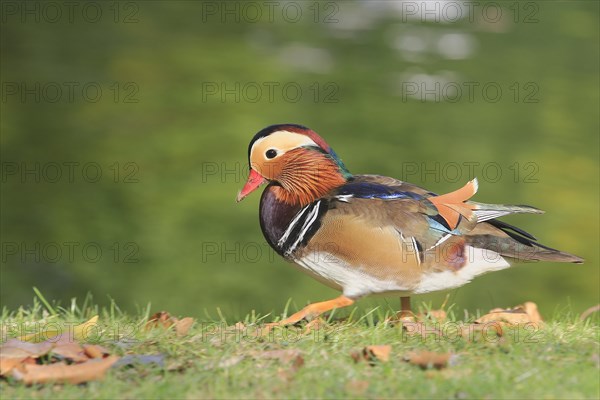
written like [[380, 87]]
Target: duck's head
[[295, 158]]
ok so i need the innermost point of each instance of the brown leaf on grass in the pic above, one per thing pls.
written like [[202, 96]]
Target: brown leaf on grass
[[163, 319], [531, 309], [160, 319], [94, 351], [15, 348], [372, 354], [440, 315], [429, 359], [505, 316], [437, 315], [379, 352], [70, 350], [19, 356], [183, 326], [67, 346], [522, 314], [6, 364], [62, 373]]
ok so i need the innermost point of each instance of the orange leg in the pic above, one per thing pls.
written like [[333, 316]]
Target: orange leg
[[314, 310]]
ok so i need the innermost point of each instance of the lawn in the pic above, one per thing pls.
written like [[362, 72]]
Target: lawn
[[240, 359]]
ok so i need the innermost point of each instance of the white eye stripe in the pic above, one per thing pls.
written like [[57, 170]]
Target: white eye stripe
[[257, 141], [281, 141]]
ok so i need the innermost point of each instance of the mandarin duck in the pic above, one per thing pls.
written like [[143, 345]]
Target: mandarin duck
[[371, 234]]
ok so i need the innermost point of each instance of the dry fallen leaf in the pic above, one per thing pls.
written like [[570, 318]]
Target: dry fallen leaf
[[15, 348], [519, 315], [373, 353], [163, 319], [183, 326], [510, 316], [429, 359], [67, 346], [94, 350], [70, 350], [531, 309], [380, 352], [6, 364], [20, 357], [160, 319], [436, 315], [63, 373]]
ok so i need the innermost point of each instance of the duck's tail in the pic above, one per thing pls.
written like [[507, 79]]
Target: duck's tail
[[505, 239]]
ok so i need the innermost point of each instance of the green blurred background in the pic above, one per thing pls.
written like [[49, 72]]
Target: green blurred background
[[166, 96]]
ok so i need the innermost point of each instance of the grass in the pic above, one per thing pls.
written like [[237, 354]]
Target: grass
[[211, 361]]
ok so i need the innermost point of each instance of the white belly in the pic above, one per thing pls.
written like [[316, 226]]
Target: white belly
[[355, 283], [350, 280]]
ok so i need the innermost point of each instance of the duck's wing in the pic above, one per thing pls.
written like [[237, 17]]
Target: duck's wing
[[395, 236]]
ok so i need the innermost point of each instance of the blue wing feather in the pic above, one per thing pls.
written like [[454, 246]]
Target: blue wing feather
[[369, 190]]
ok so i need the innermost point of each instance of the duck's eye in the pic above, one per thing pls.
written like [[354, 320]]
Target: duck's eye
[[271, 153]]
